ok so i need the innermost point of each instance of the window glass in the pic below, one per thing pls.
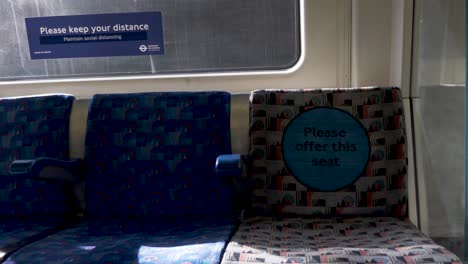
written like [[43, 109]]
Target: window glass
[[199, 36], [438, 104]]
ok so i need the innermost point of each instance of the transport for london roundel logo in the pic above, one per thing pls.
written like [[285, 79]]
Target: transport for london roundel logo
[[325, 148]]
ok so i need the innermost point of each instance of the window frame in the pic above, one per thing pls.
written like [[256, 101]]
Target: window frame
[[148, 76]]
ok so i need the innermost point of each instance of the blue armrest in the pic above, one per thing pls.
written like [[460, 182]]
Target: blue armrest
[[231, 168], [34, 167], [229, 165]]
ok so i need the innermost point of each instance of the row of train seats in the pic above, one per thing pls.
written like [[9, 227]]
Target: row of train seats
[[325, 180]]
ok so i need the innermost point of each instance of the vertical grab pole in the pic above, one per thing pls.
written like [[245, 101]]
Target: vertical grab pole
[[465, 239]]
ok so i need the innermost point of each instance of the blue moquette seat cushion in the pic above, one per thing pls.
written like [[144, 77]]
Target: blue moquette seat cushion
[[18, 232], [165, 241]]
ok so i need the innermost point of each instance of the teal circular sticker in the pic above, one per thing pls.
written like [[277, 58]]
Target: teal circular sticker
[[326, 148]]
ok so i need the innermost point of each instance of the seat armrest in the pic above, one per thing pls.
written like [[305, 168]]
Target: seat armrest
[[34, 167], [232, 168], [229, 165]]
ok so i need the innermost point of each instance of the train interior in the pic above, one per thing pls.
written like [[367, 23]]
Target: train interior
[[243, 48]]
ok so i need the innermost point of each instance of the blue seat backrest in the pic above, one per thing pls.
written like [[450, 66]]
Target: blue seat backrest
[[153, 154], [32, 127]]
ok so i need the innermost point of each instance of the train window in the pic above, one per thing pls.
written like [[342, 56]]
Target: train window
[[201, 36]]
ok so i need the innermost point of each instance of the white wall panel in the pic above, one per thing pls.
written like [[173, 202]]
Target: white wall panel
[[371, 42]]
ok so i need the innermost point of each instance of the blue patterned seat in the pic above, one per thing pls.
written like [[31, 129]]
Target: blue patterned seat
[[153, 154], [150, 160], [138, 240], [30, 207]]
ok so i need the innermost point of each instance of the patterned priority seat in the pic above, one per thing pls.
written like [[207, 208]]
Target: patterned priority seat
[[152, 195], [30, 207], [329, 181]]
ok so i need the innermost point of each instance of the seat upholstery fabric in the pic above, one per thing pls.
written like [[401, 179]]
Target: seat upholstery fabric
[[270, 240], [359, 223], [153, 154], [165, 241], [32, 208], [152, 195], [381, 189], [32, 127], [17, 232]]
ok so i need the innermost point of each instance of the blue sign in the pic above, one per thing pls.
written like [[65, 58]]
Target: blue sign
[[326, 148], [126, 34]]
